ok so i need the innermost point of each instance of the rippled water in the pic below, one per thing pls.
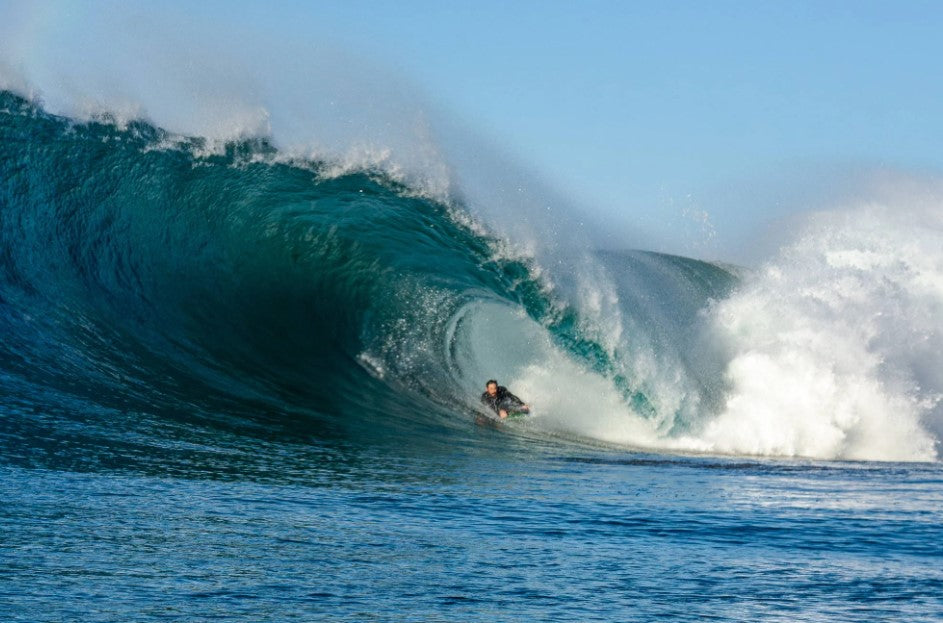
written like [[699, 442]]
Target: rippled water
[[544, 533]]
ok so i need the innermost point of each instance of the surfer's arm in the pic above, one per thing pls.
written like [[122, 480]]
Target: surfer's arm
[[517, 401]]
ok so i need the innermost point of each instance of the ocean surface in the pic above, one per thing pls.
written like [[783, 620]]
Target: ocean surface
[[238, 384]]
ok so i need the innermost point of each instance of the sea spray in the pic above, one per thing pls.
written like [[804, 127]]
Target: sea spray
[[836, 345]]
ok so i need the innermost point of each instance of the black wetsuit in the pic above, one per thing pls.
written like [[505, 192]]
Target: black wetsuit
[[503, 399]]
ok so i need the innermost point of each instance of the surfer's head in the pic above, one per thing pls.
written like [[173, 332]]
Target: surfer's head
[[492, 387]]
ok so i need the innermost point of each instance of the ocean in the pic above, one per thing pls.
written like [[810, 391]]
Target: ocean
[[241, 384]]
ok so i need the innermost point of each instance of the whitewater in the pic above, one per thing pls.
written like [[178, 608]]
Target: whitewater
[[244, 328]]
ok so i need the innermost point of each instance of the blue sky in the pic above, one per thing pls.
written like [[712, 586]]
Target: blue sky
[[648, 110], [651, 116]]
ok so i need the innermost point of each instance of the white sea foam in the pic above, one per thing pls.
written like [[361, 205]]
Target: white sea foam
[[836, 346], [833, 349]]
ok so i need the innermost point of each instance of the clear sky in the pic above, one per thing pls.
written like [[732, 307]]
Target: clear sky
[[648, 110], [659, 115]]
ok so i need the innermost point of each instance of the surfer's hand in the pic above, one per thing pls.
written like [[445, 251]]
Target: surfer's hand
[[502, 414]]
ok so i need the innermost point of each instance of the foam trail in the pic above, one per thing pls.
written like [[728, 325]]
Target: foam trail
[[835, 347]]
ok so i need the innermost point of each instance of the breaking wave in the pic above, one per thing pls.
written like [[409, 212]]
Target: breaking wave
[[149, 277]]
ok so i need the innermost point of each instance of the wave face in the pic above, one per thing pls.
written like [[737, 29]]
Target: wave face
[[143, 273], [137, 272], [149, 284]]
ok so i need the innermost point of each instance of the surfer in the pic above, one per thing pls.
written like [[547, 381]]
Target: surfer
[[501, 401]]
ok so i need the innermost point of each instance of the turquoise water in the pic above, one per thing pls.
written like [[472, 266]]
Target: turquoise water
[[239, 386]]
